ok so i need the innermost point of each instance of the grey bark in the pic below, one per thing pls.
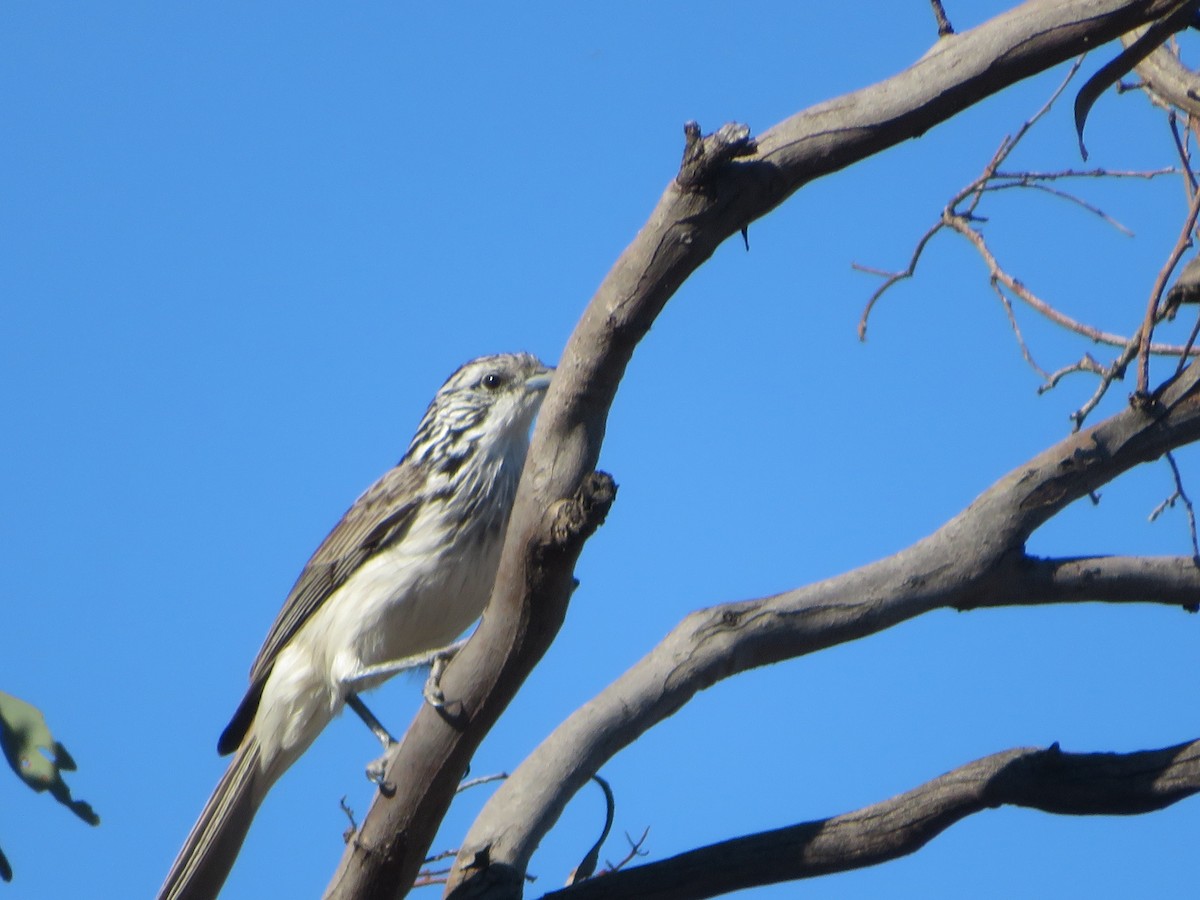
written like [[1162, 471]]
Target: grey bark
[[561, 501]]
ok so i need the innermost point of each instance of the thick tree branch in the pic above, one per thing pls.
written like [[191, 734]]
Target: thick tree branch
[[532, 588], [1028, 581], [976, 559], [1049, 780]]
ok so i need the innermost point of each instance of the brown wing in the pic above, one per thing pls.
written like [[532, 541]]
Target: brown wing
[[379, 518]]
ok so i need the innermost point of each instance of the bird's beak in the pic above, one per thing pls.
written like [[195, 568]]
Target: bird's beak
[[539, 382]]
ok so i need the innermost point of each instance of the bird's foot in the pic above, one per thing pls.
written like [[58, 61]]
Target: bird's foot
[[433, 687], [377, 768]]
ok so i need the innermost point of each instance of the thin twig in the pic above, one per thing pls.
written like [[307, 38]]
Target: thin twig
[[961, 225], [1160, 283], [1181, 148], [1086, 364], [1063, 195], [1114, 372], [974, 190], [1191, 341], [891, 278], [1012, 321], [1089, 173], [352, 828], [482, 779], [1181, 496], [635, 850], [943, 23]]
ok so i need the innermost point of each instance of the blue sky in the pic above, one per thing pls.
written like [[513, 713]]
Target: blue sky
[[245, 245]]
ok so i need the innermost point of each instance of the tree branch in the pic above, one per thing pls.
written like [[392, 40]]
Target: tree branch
[[974, 560], [1048, 780], [691, 219], [1170, 580]]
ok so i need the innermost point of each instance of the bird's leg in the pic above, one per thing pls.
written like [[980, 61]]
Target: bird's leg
[[376, 768], [355, 703], [373, 675]]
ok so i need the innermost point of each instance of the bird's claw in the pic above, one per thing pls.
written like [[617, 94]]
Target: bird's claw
[[375, 774], [433, 688]]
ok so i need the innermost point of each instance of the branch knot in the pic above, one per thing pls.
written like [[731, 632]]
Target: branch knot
[[574, 520], [704, 156]]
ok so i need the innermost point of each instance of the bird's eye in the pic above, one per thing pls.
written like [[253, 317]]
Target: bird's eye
[[492, 381]]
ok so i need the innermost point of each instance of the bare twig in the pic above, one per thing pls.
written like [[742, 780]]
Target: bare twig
[[482, 779], [1181, 147], [1114, 372], [1181, 496], [974, 190], [1086, 364], [1088, 173], [1188, 344], [1012, 321], [635, 850], [962, 225], [352, 828], [891, 278], [1062, 195], [943, 24], [1160, 283]]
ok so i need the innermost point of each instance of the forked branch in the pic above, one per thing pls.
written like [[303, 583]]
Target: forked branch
[[1049, 780]]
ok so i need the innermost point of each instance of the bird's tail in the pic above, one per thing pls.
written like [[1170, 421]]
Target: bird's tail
[[210, 850]]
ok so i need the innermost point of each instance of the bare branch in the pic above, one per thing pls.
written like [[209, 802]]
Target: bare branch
[[1062, 195], [892, 277], [1146, 174], [1153, 313], [937, 572], [962, 225], [1115, 371], [1168, 580], [558, 504], [1012, 323], [1049, 780], [974, 190], [1085, 364], [1180, 495]]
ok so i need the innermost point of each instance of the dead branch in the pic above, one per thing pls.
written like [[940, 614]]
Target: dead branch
[[1026, 353], [975, 560], [1049, 780], [1154, 313], [962, 225], [1085, 364], [1180, 496], [561, 501], [974, 190]]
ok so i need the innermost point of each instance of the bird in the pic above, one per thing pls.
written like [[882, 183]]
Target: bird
[[405, 571]]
